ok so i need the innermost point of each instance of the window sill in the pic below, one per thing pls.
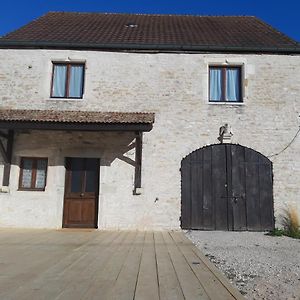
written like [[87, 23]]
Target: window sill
[[227, 103], [65, 99], [30, 190], [4, 189]]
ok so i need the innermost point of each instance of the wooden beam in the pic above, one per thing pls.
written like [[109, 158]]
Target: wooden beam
[[7, 164], [3, 135], [138, 162]]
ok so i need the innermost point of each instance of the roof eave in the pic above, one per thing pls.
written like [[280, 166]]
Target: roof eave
[[75, 126], [144, 47]]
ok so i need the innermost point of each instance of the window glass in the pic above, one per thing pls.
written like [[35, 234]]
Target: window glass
[[215, 88], [225, 84], [91, 175], [76, 81], [27, 173], [233, 84], [33, 173], [59, 81], [67, 81], [77, 174], [40, 180]]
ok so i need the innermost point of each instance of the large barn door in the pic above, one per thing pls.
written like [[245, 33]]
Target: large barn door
[[227, 187]]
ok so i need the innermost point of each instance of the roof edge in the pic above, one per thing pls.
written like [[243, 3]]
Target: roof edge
[[143, 47]]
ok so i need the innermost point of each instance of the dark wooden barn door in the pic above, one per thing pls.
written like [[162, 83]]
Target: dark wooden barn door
[[226, 187], [81, 193]]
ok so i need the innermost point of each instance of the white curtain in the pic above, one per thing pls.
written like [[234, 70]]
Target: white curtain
[[76, 81], [215, 88], [27, 173], [59, 81], [41, 169], [233, 85]]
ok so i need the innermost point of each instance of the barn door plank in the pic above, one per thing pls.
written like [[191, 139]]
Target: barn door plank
[[252, 190], [185, 194], [266, 194], [220, 189], [208, 204], [196, 165], [229, 187], [238, 195]]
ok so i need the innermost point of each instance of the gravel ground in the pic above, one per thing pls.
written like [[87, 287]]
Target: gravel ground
[[260, 266]]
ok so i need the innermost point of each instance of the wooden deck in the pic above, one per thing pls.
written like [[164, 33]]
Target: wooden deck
[[72, 264]]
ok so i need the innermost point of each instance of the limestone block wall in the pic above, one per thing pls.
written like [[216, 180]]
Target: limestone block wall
[[175, 87]]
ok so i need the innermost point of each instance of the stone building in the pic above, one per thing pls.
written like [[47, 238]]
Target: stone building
[[120, 121]]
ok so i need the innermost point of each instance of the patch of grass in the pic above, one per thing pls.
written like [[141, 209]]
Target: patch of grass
[[290, 222], [276, 232]]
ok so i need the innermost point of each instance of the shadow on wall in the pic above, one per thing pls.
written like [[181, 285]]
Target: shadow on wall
[[56, 145]]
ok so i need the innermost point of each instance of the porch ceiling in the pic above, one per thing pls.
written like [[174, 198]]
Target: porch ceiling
[[75, 120]]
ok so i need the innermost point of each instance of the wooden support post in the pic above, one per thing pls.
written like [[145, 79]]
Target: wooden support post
[[7, 164], [138, 163]]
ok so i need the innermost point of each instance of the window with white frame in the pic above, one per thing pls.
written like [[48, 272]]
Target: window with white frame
[[225, 84], [67, 80]]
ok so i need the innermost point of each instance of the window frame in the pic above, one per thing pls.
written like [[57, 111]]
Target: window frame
[[224, 81], [67, 86], [33, 172]]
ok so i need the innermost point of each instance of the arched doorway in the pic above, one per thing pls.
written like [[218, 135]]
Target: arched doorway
[[226, 187]]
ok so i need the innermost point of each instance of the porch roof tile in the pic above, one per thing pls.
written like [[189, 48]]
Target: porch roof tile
[[96, 117]]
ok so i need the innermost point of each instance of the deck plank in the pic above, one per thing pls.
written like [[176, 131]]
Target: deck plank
[[225, 284], [105, 278], [49, 280], [126, 282], [169, 286], [191, 287], [147, 284], [106, 265], [212, 285]]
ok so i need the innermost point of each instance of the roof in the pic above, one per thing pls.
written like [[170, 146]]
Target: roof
[[85, 120], [150, 32]]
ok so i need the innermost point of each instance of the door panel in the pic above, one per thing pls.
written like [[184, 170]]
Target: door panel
[[238, 200], [219, 190], [81, 192], [227, 187]]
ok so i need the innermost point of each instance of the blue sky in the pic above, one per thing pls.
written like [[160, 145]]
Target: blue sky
[[283, 15]]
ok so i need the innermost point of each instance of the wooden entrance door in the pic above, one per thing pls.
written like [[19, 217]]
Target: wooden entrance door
[[81, 192], [227, 187]]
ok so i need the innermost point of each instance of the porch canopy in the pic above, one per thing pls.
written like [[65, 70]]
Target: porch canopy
[[17, 119], [75, 120]]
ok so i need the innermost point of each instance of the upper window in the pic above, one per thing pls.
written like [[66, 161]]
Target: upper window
[[67, 80], [33, 173], [225, 84]]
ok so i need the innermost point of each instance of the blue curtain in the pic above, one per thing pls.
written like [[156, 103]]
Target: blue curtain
[[233, 85], [76, 81], [215, 88], [59, 81]]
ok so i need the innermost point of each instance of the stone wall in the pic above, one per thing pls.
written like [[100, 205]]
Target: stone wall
[[175, 87]]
